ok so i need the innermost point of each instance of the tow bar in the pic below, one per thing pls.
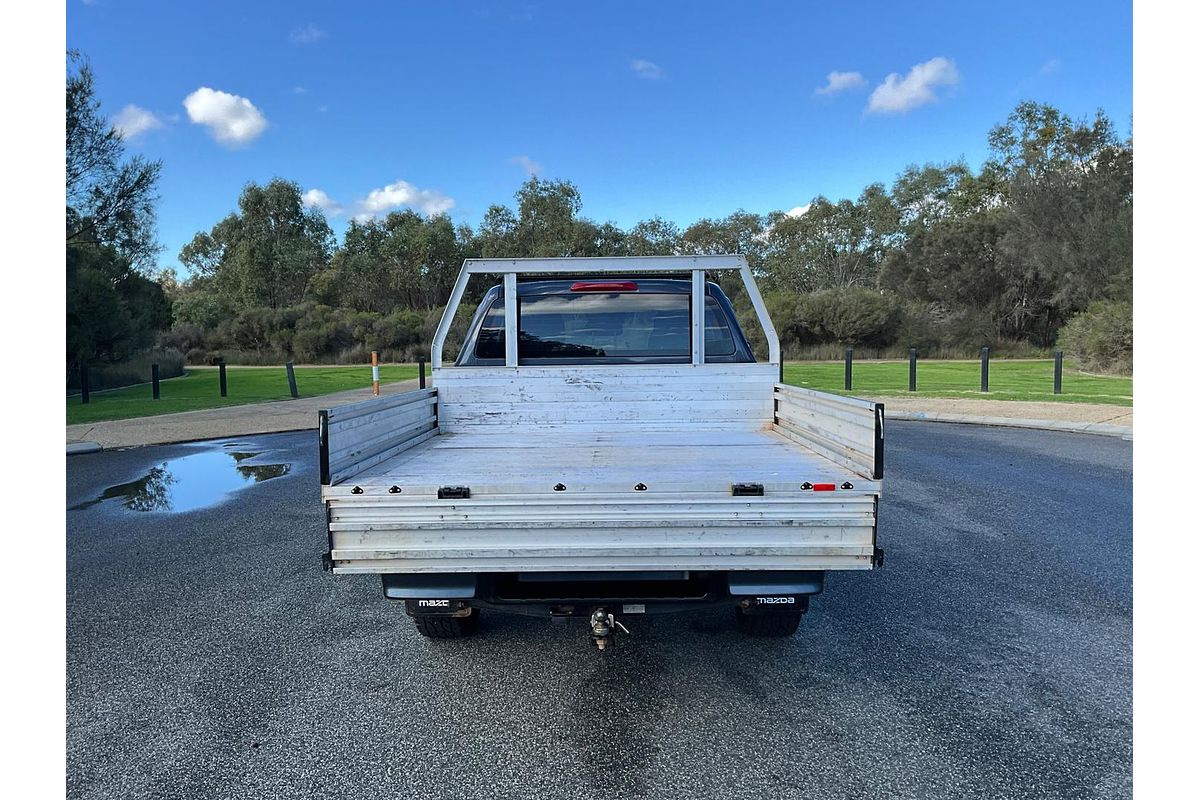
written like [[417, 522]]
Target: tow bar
[[604, 628]]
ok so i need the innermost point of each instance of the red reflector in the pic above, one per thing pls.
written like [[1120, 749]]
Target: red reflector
[[604, 286], [823, 487]]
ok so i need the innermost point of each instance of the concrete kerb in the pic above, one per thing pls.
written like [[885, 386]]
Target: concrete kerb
[[1096, 428]]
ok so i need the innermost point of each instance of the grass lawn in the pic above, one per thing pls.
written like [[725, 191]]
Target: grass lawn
[[199, 387], [1007, 380]]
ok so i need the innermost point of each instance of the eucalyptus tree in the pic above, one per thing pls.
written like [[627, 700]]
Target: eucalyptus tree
[[265, 253]]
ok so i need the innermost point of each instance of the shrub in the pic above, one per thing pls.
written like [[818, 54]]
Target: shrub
[[200, 308], [321, 331], [184, 337], [827, 321], [851, 316], [397, 331], [253, 329], [1100, 338]]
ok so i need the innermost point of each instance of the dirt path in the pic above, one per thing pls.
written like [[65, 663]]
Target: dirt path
[[1014, 409]]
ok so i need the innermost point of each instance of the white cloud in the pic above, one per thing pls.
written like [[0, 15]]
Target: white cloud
[[318, 199], [306, 35], [133, 121], [647, 70], [897, 95], [841, 81], [231, 120], [1051, 66], [299, 90], [402, 194], [526, 163], [798, 211]]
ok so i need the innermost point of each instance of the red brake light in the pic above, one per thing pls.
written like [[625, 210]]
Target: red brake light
[[604, 286]]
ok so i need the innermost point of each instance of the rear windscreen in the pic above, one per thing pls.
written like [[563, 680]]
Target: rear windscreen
[[605, 325]]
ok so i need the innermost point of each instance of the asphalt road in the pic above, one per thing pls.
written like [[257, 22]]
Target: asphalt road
[[209, 656]]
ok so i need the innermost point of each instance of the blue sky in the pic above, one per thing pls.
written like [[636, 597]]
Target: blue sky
[[681, 109]]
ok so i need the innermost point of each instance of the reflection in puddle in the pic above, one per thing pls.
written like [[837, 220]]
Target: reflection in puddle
[[190, 482]]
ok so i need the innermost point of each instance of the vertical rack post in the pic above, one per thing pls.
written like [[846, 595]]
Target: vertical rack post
[[511, 329], [697, 316]]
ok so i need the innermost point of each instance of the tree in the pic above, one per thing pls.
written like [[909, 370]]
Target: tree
[[264, 254], [741, 232], [1069, 186], [110, 199], [953, 265], [402, 261], [652, 237], [926, 195], [949, 255], [497, 233], [545, 225], [832, 245], [113, 309], [546, 222], [610, 240]]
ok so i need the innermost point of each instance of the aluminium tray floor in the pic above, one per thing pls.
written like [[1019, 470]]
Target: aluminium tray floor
[[614, 460]]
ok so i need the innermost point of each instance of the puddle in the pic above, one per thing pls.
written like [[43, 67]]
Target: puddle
[[190, 482]]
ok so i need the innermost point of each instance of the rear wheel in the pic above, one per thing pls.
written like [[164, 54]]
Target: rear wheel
[[775, 623], [440, 626]]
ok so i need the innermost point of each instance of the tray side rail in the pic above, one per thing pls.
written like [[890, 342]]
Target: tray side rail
[[846, 430], [357, 436]]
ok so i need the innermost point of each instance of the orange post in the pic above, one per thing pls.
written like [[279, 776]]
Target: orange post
[[375, 373]]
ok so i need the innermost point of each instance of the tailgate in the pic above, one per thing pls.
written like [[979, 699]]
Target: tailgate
[[786, 528]]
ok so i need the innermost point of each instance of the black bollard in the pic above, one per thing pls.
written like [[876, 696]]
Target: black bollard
[[849, 368], [421, 372], [912, 369], [291, 372], [224, 384], [154, 380], [85, 395], [1058, 371], [983, 368]]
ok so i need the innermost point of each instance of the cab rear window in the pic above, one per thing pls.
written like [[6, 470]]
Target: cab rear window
[[599, 325]]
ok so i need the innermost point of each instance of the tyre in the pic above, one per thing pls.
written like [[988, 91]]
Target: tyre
[[438, 626], [775, 623]]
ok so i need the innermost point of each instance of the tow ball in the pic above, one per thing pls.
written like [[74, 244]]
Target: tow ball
[[604, 628]]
